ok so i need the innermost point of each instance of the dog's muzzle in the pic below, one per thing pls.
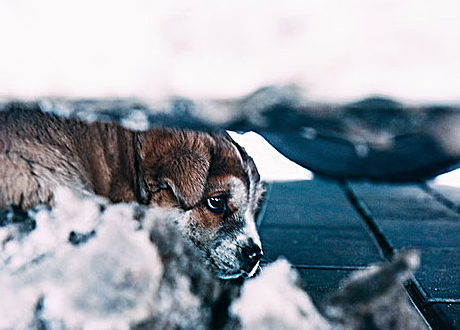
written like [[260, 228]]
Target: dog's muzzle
[[233, 258]]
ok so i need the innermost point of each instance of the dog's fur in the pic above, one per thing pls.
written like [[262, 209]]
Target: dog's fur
[[181, 169]]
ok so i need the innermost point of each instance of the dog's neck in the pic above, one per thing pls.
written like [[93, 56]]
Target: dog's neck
[[109, 163]]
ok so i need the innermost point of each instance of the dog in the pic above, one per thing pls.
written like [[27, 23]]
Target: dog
[[206, 175]]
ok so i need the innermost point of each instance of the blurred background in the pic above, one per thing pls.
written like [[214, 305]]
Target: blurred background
[[334, 51]]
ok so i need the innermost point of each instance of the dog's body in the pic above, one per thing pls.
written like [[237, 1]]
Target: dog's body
[[206, 175]]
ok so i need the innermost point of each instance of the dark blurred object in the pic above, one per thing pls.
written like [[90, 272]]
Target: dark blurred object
[[374, 139]]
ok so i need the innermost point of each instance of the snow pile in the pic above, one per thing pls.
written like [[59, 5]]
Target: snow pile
[[89, 264], [98, 285], [370, 299], [274, 301]]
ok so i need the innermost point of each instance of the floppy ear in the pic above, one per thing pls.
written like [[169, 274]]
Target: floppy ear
[[186, 174], [175, 166]]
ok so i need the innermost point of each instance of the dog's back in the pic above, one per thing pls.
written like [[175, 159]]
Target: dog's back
[[39, 152]]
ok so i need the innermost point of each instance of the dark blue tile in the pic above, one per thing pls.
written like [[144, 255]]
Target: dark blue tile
[[449, 315], [410, 217], [451, 194], [306, 203], [425, 235], [401, 202], [439, 273], [350, 246]]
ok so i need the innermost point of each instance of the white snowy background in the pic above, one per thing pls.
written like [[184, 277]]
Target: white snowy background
[[335, 50]]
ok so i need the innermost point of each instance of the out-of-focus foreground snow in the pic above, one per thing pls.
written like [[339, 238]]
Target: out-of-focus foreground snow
[[100, 285], [91, 265]]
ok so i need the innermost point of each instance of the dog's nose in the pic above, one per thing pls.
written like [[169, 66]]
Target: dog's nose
[[252, 253]]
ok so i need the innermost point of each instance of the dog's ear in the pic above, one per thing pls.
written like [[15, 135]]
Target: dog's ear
[[172, 164], [186, 175]]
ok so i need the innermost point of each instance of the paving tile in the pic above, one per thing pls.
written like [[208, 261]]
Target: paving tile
[[320, 283], [450, 193], [439, 273], [306, 203], [314, 226], [401, 202], [436, 233], [410, 217], [320, 246], [449, 314], [313, 223]]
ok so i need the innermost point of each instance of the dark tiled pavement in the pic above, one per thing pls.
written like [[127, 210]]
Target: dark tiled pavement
[[328, 229]]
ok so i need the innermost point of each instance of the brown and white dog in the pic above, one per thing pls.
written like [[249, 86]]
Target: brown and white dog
[[207, 176]]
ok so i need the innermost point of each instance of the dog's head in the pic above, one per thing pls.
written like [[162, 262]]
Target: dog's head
[[217, 185]]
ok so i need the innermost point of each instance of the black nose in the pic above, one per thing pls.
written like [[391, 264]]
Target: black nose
[[252, 254]]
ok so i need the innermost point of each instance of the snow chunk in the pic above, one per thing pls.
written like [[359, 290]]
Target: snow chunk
[[108, 282], [136, 120], [274, 301]]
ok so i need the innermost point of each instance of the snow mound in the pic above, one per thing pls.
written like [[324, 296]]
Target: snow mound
[[48, 277], [87, 264], [274, 301]]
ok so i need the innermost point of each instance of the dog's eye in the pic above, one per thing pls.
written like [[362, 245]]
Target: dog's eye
[[217, 204]]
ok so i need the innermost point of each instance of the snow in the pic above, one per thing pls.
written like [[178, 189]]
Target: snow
[[100, 285], [334, 50], [273, 301], [133, 269], [271, 164], [451, 179], [137, 121]]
